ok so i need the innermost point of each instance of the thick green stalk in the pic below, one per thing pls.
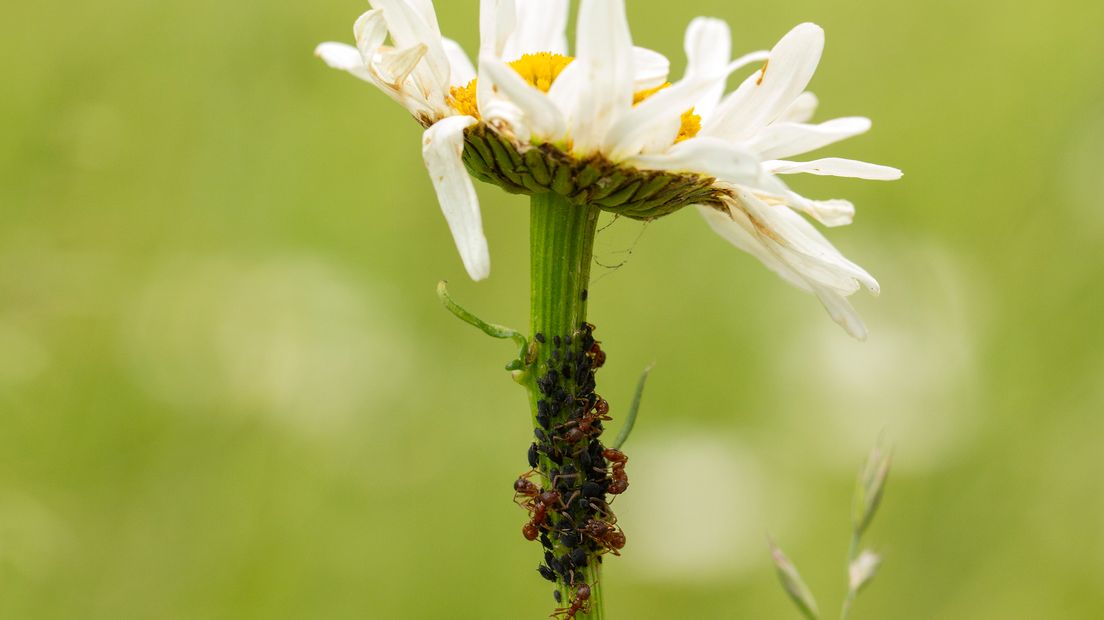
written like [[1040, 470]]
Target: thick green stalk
[[561, 248], [561, 251]]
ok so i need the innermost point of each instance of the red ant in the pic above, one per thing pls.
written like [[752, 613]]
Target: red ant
[[585, 426], [538, 504], [605, 533], [619, 479], [597, 355], [524, 488], [581, 603]]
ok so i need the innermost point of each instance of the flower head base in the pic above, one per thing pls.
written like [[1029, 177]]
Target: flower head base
[[606, 128], [625, 190]]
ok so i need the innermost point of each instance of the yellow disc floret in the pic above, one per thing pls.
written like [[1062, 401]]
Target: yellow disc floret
[[541, 70], [648, 92], [691, 125], [462, 99]]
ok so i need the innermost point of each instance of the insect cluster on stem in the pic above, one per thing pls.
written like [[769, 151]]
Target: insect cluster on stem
[[569, 508]]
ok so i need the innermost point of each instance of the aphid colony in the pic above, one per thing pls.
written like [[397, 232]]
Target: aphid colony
[[568, 510]]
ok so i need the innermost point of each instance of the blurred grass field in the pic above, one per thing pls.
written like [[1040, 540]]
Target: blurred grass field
[[228, 391]]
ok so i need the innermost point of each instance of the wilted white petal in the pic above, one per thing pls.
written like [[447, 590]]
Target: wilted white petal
[[408, 28], [604, 65], [396, 65], [835, 167], [841, 311], [802, 246], [539, 113], [747, 231], [833, 212], [734, 226], [788, 139], [801, 110], [442, 148], [462, 72], [767, 94], [723, 160], [772, 191], [650, 69], [340, 56], [370, 31], [541, 27], [708, 45]]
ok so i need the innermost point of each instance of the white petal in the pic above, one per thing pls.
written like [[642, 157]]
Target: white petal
[[650, 69], [708, 45], [540, 114], [462, 72], [831, 213], [497, 20], [541, 27], [396, 65], [842, 312], [654, 124], [710, 156], [442, 149], [340, 56], [801, 110], [836, 167], [425, 10], [736, 223], [765, 95], [735, 228], [604, 64], [506, 117], [772, 191], [370, 31], [788, 139], [802, 246], [409, 28]]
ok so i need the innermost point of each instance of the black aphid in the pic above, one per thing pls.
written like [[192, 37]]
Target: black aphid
[[546, 572]]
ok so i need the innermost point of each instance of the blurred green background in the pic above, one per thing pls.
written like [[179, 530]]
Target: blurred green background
[[228, 391]]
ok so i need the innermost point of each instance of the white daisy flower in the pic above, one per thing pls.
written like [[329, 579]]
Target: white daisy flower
[[606, 128]]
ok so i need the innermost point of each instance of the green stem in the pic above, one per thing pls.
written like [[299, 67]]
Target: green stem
[[561, 251], [561, 248]]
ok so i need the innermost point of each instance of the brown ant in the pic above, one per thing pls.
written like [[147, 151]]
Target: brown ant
[[597, 355], [536, 501], [619, 482], [606, 534], [531, 530], [523, 487], [581, 603], [585, 426]]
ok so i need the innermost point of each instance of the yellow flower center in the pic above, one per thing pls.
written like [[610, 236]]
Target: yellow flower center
[[691, 123], [541, 70]]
